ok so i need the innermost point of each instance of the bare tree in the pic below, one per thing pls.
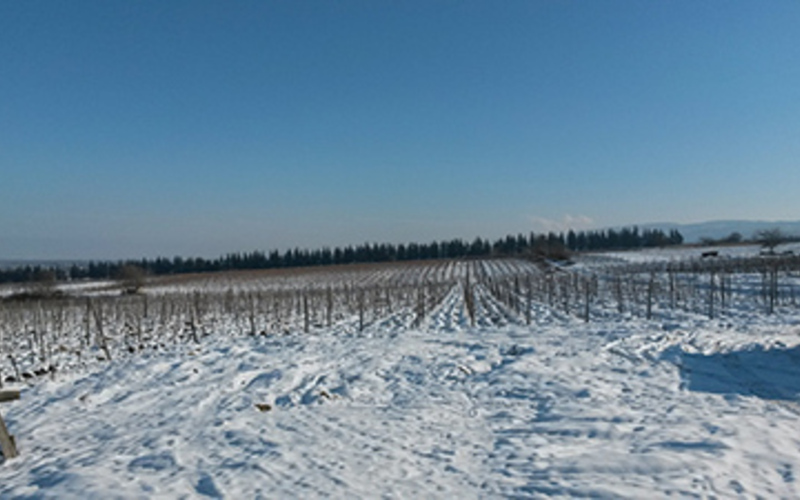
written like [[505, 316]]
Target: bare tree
[[131, 278], [770, 238], [734, 237], [43, 286]]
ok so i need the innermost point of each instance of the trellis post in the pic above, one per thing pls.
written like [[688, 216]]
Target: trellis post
[[7, 444]]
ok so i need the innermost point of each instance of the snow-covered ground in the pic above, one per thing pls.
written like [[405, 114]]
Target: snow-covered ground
[[676, 406], [680, 253]]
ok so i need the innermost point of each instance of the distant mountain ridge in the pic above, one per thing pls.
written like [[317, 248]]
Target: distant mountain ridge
[[694, 232]]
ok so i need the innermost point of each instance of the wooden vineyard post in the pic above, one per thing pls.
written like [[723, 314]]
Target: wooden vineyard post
[[618, 293], [306, 321], [7, 444], [469, 300], [587, 291], [329, 308], [711, 294], [528, 301], [420, 306], [361, 310]]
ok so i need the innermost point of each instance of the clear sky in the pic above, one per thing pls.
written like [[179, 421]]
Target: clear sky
[[131, 129]]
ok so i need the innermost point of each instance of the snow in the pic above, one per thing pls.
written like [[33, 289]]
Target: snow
[[619, 407], [679, 253]]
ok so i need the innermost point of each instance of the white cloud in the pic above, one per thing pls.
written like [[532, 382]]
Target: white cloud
[[565, 223]]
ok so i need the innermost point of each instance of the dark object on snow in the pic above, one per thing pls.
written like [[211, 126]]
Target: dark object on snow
[[7, 444], [8, 396]]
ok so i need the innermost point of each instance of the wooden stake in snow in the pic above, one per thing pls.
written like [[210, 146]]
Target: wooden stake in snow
[[8, 395], [7, 444]]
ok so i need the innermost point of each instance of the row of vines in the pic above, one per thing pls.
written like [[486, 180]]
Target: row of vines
[[44, 336]]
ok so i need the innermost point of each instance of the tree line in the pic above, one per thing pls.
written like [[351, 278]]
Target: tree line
[[629, 237], [550, 245]]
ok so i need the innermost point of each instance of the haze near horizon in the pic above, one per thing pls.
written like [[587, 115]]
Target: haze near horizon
[[200, 128]]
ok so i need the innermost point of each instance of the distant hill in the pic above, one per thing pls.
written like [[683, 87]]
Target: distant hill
[[692, 233]]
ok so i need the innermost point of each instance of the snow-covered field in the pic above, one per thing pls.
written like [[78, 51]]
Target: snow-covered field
[[682, 253], [402, 393]]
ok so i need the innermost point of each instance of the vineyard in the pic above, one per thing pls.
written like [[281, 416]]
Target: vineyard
[[97, 323], [610, 375]]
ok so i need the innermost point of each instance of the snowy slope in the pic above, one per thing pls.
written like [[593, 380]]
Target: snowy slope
[[624, 408]]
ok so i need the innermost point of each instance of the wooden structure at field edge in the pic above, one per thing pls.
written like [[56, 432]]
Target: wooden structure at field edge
[[7, 444]]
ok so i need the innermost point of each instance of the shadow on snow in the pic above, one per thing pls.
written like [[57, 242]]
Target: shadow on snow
[[755, 371]]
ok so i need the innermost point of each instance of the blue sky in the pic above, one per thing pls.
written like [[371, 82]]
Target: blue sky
[[134, 129]]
